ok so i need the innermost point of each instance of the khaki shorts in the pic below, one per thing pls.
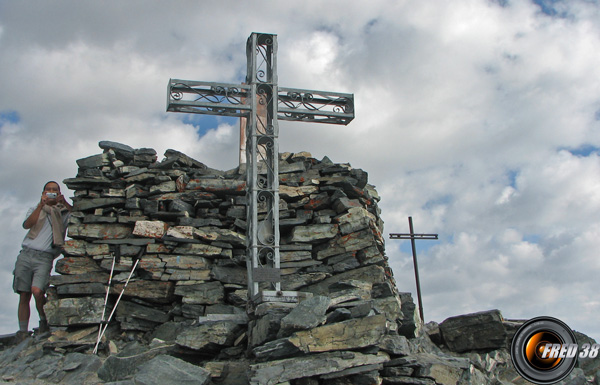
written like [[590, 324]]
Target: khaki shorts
[[32, 269]]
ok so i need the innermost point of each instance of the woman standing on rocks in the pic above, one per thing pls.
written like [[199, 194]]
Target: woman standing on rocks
[[47, 223]]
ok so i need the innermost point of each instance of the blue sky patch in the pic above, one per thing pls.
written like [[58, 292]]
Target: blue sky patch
[[421, 245], [532, 238], [204, 123], [583, 150], [440, 201], [548, 7], [12, 117], [512, 177], [370, 25], [502, 3]]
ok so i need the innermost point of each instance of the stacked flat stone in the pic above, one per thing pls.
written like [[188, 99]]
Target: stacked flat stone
[[185, 316], [175, 216], [185, 223]]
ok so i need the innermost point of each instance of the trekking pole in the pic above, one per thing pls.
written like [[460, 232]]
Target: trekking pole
[[119, 299], [112, 269]]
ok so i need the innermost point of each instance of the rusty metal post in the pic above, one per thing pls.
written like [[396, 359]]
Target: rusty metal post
[[412, 236]]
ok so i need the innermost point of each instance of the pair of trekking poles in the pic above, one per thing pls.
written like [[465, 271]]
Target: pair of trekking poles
[[104, 323]]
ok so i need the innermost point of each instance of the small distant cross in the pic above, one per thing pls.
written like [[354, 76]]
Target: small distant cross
[[262, 103], [412, 236]]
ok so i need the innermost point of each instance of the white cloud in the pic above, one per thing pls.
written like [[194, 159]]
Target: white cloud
[[465, 115]]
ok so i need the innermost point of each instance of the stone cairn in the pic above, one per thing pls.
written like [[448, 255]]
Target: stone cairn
[[185, 318]]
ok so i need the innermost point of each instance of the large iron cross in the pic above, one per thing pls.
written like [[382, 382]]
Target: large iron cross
[[262, 102]]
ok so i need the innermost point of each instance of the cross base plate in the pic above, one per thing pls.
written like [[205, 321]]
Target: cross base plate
[[280, 296]]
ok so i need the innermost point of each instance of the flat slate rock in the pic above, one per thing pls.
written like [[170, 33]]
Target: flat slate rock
[[117, 368], [168, 370], [476, 331], [308, 314], [119, 148]]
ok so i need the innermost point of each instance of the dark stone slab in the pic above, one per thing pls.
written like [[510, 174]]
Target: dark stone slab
[[122, 150], [265, 328], [93, 161], [81, 289], [192, 311], [271, 373], [385, 289], [199, 222], [127, 241], [119, 368], [308, 314], [477, 331], [183, 159], [372, 273], [89, 204], [339, 315], [74, 311], [314, 233], [168, 370], [395, 345], [209, 337], [143, 160], [230, 275], [134, 310], [411, 321], [208, 293], [90, 172], [99, 231], [218, 186], [344, 204], [76, 265], [318, 201], [180, 205], [99, 219], [87, 182], [145, 151], [80, 368], [157, 291], [291, 222]]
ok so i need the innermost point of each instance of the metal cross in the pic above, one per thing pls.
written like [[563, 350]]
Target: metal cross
[[261, 92], [412, 236]]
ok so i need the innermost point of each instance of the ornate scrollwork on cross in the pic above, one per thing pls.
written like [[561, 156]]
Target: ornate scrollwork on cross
[[176, 95], [262, 103], [208, 93], [208, 98], [266, 255], [307, 100], [315, 106], [264, 56], [261, 184]]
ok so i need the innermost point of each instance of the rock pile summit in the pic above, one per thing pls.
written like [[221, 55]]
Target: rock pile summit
[[177, 228]]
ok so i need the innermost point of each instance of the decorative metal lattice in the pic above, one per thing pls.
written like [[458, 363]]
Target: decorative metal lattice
[[262, 103]]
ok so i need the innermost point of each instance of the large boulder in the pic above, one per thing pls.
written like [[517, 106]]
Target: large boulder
[[477, 331], [168, 370]]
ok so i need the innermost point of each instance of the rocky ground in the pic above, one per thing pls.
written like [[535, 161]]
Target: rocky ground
[[453, 352], [177, 228]]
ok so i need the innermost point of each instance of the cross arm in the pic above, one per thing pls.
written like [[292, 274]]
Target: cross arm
[[413, 236], [315, 106], [208, 98]]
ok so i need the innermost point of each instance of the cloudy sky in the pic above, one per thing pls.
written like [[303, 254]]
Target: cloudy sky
[[478, 118]]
